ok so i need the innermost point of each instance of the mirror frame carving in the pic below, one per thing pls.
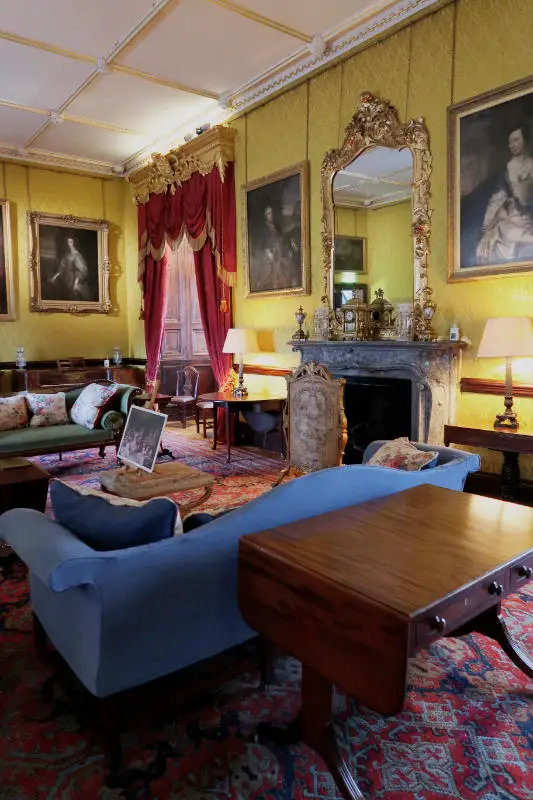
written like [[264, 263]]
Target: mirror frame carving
[[376, 123]]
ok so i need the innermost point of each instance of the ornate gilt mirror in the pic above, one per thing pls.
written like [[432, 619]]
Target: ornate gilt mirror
[[376, 218]]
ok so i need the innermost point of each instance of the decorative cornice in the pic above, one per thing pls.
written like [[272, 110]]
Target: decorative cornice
[[360, 29], [214, 148], [45, 158]]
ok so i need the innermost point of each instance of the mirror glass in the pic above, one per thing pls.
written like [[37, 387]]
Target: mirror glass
[[373, 227]]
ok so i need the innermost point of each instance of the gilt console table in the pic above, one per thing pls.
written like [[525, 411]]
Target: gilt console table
[[354, 593]]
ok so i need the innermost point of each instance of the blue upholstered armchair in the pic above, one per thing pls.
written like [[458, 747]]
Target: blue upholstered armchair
[[121, 618]]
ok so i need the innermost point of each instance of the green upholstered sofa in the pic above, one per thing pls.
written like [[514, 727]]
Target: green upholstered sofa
[[61, 438]]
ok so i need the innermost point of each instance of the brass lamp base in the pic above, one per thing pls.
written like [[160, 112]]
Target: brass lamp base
[[240, 391], [508, 420]]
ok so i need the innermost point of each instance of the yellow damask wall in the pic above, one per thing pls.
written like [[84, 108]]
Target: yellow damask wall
[[466, 48], [50, 336]]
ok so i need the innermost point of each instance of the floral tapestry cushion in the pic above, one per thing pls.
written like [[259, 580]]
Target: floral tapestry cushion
[[13, 413], [402, 454], [91, 404], [47, 409]]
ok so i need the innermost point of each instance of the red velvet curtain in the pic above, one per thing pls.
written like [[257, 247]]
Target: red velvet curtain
[[155, 309], [203, 209]]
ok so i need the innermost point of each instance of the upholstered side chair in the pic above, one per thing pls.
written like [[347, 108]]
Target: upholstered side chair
[[313, 420]]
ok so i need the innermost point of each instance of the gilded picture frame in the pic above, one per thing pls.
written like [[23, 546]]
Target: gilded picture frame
[[275, 225], [69, 264], [7, 292], [490, 184]]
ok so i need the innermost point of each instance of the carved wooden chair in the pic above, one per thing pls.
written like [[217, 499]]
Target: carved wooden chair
[[313, 420], [186, 393]]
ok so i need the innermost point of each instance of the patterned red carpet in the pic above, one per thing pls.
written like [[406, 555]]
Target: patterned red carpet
[[466, 731]]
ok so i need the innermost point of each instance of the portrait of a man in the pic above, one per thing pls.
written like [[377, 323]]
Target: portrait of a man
[[276, 240], [68, 263], [492, 184]]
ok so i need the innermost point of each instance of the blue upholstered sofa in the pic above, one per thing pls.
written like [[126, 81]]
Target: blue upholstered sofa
[[122, 618]]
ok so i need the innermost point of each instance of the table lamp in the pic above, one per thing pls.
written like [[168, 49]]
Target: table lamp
[[240, 341], [507, 337]]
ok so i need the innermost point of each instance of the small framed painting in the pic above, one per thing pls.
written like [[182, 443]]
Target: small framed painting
[[69, 264], [7, 295], [275, 220], [350, 254], [490, 186], [140, 441]]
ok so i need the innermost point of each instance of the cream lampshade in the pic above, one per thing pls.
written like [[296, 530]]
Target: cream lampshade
[[240, 341], [507, 337]]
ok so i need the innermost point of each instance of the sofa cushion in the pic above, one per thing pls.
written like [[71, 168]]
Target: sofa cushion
[[91, 404], [13, 413], [47, 409], [104, 524], [28, 440], [402, 454]]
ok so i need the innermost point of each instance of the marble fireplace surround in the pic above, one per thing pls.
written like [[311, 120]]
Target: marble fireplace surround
[[432, 367]]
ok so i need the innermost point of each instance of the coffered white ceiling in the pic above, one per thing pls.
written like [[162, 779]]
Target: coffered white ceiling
[[100, 85]]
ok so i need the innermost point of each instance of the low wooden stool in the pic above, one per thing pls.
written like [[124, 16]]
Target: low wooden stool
[[170, 478]]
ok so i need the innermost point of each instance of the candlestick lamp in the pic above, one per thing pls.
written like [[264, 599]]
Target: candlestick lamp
[[240, 341]]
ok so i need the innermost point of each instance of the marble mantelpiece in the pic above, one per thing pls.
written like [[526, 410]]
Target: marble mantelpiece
[[432, 367]]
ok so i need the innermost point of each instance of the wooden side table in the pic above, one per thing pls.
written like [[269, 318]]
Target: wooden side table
[[23, 487], [509, 443]]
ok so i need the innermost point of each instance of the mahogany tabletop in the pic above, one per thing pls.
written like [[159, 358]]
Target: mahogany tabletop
[[406, 551], [252, 397]]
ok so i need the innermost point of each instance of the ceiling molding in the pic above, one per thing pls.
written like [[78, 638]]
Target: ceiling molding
[[45, 158], [235, 8], [355, 32], [146, 76], [48, 48]]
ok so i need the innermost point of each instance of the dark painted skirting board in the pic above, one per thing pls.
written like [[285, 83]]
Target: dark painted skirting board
[[489, 484], [489, 386]]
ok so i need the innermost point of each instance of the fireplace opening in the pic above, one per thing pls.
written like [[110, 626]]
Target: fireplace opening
[[375, 408]]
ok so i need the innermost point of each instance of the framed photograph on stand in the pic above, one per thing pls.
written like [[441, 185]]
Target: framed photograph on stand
[[141, 438]]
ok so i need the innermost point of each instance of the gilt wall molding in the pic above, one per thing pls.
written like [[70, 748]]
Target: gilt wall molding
[[214, 148]]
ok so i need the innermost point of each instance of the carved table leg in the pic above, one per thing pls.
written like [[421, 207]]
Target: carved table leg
[[510, 476], [491, 623], [315, 728]]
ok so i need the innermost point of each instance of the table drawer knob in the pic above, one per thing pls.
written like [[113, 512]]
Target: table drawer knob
[[438, 624], [495, 588], [525, 572]]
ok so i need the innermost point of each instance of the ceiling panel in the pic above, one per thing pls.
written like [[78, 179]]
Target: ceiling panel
[[37, 78], [16, 126], [88, 142], [91, 28], [308, 16], [204, 46], [138, 105]]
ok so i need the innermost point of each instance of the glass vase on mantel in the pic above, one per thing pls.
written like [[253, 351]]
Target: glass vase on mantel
[[404, 322]]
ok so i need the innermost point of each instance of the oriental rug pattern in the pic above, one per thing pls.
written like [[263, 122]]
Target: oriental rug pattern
[[466, 732]]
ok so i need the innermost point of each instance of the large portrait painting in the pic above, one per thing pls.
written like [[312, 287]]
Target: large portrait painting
[[7, 299], [276, 233], [491, 183], [69, 264]]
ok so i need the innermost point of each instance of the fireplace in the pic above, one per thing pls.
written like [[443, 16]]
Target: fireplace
[[430, 368], [375, 408]]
